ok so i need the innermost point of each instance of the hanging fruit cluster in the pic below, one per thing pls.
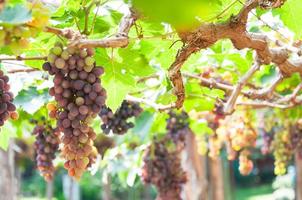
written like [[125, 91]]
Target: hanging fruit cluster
[[46, 146], [7, 108], [162, 168], [17, 36], [118, 122], [80, 97], [177, 126], [282, 150]]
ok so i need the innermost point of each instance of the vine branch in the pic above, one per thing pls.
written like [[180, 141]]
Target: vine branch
[[156, 106], [234, 29], [229, 106], [20, 58], [120, 39]]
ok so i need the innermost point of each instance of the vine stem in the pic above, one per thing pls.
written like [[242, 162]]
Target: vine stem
[[23, 70], [20, 58], [152, 104], [229, 106]]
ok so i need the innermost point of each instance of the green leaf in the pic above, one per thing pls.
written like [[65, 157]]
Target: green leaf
[[291, 15], [135, 62], [32, 100], [179, 13], [18, 14], [159, 124], [200, 127], [7, 131], [101, 25], [117, 80], [143, 124]]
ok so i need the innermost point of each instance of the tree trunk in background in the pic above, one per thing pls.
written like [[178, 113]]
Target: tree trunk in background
[[106, 194], [49, 190], [298, 177], [216, 179], [7, 179], [71, 188], [195, 165]]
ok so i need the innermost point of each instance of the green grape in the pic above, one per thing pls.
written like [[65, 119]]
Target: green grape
[[88, 68], [89, 61], [83, 53], [60, 63], [65, 55], [51, 58], [23, 43], [71, 50], [26, 33], [56, 50], [17, 31]]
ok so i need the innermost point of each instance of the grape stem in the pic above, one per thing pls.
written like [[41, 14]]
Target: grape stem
[[20, 58], [152, 104], [22, 70]]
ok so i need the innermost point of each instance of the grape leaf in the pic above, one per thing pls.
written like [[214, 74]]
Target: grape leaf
[[18, 14], [290, 13], [31, 99], [179, 13], [118, 83]]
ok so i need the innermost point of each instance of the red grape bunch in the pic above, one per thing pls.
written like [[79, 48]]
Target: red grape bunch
[[162, 168], [80, 97], [178, 126], [7, 108], [46, 146], [118, 122], [267, 138], [245, 164]]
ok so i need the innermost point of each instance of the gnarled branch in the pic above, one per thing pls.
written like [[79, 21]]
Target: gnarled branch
[[235, 30]]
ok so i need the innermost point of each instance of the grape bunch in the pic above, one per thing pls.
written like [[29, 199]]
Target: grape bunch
[[238, 130], [267, 138], [118, 122], [177, 126], [46, 146], [282, 150], [7, 108], [162, 168], [215, 145], [16, 36], [245, 164], [80, 97]]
